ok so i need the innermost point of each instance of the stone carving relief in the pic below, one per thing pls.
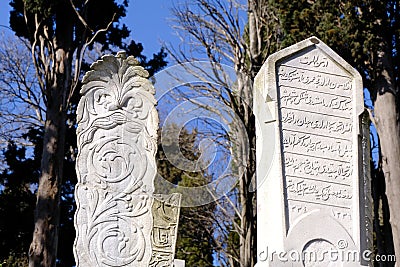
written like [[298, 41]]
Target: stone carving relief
[[117, 135], [165, 211]]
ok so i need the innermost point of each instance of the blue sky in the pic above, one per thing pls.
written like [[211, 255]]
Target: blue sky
[[147, 20]]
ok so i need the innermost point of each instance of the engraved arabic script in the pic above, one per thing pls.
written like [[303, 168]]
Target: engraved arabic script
[[316, 110]]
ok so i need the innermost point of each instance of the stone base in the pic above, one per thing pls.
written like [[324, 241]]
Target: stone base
[[179, 263]]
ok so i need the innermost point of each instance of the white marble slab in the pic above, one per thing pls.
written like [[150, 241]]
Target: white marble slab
[[313, 185]]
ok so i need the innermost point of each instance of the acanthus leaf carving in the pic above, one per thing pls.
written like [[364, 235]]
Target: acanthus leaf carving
[[117, 133]]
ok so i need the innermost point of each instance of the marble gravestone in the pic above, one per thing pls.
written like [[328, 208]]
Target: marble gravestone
[[119, 221], [313, 193]]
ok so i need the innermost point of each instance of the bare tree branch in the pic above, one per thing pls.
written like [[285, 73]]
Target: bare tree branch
[[81, 55], [218, 31]]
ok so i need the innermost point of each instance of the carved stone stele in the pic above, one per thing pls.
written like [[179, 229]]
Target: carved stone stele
[[313, 191], [165, 212], [117, 135]]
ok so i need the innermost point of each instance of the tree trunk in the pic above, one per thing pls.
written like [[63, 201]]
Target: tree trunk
[[43, 249], [246, 71], [388, 128], [248, 242], [247, 184]]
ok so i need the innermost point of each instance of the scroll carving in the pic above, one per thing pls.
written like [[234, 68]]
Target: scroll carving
[[117, 135]]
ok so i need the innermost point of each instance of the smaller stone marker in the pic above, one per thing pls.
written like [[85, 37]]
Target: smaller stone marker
[[313, 197], [179, 263], [165, 212], [119, 222]]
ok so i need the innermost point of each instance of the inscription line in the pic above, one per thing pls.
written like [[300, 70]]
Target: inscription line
[[313, 70], [319, 113], [324, 204], [318, 180], [315, 91], [318, 157], [322, 135]]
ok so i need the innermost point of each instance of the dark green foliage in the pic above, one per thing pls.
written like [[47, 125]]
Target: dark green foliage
[[17, 198], [194, 241], [97, 15], [358, 30], [194, 244], [153, 65], [300, 18]]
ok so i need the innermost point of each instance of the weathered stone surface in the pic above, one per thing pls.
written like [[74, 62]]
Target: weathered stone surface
[[179, 263], [165, 212], [117, 135], [312, 194]]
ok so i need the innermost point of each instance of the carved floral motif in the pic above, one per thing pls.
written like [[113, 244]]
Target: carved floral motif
[[117, 133]]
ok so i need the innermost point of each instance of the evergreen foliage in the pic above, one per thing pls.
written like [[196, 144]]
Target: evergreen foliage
[[17, 200], [17, 197], [195, 230]]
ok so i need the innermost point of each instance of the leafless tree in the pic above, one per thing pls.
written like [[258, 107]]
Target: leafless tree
[[241, 34], [21, 100]]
